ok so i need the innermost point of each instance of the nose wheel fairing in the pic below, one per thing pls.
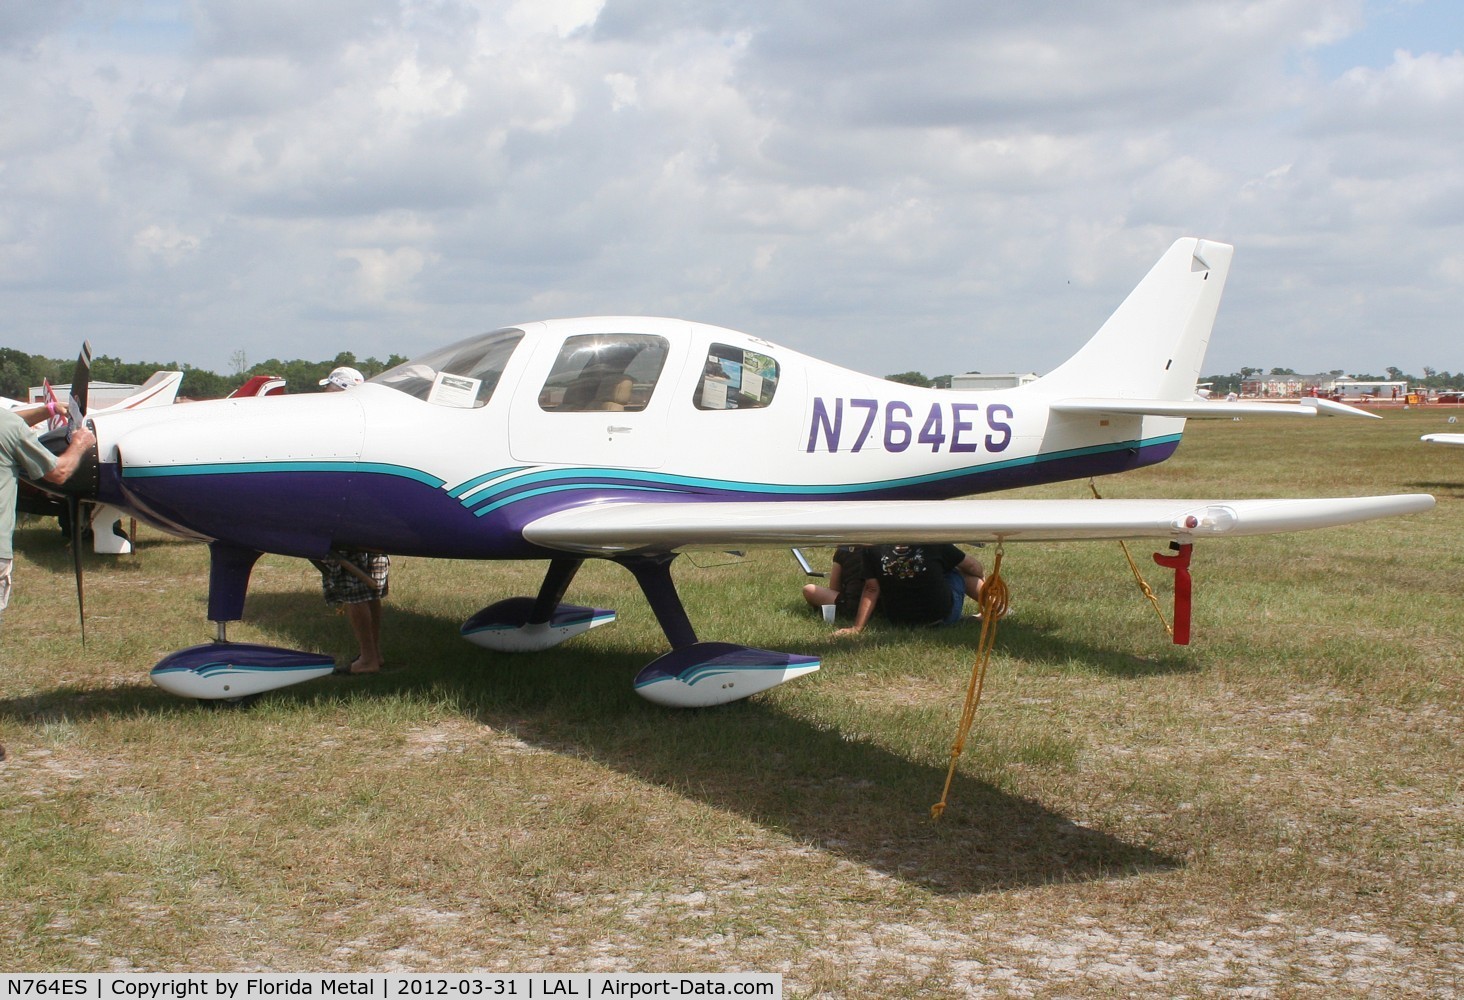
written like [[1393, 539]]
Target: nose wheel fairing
[[229, 670], [232, 670]]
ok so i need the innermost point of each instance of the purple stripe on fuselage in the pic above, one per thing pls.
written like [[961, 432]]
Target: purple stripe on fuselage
[[307, 513]]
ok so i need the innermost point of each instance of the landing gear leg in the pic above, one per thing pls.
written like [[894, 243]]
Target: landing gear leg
[[699, 674]]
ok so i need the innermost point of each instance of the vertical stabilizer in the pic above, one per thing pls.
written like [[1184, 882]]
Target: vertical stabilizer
[[1153, 345]]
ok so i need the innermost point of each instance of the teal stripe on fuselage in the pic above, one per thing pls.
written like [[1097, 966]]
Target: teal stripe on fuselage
[[487, 477], [264, 468], [565, 487], [610, 478]]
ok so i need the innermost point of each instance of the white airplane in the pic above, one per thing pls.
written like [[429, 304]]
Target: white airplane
[[1444, 438], [260, 385], [159, 390], [634, 439]]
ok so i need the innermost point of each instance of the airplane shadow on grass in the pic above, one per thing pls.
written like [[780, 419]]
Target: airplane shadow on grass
[[815, 784], [1031, 636], [1453, 489]]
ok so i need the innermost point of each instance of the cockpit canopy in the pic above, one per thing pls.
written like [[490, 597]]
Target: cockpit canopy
[[462, 374], [596, 371]]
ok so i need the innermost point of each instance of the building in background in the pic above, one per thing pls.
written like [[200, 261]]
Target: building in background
[[978, 380]]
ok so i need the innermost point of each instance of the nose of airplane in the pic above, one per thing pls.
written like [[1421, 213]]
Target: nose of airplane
[[271, 473]]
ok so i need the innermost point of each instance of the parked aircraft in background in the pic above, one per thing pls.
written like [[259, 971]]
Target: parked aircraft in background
[[634, 439], [107, 534], [159, 390], [260, 385]]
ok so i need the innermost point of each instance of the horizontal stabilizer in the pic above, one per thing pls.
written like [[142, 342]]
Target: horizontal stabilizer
[[614, 529], [1207, 408]]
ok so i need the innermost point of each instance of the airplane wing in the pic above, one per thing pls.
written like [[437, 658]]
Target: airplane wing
[[1200, 408], [616, 528], [1444, 438]]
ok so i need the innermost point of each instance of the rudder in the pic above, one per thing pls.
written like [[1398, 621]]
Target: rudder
[[1153, 345]]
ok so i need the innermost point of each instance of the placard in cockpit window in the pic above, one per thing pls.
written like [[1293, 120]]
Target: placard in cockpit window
[[454, 390]]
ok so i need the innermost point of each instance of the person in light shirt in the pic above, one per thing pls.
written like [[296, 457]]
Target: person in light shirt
[[23, 455]]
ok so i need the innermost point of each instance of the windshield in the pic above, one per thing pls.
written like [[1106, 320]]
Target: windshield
[[463, 374]]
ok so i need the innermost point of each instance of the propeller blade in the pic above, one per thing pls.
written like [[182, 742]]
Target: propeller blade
[[74, 515], [80, 384], [76, 412]]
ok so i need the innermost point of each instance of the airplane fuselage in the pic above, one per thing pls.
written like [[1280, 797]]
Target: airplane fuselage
[[428, 474]]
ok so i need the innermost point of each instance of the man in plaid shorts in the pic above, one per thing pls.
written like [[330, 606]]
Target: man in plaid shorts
[[356, 581]]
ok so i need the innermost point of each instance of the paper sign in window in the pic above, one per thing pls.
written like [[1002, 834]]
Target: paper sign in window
[[751, 383], [714, 394], [454, 390]]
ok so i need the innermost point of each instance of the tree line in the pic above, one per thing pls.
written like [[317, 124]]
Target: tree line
[[19, 371]]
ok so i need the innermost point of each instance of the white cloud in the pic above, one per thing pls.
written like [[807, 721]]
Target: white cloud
[[1422, 91], [624, 89], [561, 17], [938, 185], [167, 242], [383, 275]]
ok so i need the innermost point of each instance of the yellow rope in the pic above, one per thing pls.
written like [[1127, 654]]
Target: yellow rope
[[995, 599], [1144, 587]]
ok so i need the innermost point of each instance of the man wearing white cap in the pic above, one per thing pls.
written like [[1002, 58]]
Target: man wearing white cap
[[342, 378], [356, 581]]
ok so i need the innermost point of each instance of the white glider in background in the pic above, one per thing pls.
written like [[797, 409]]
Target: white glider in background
[[634, 439], [108, 536]]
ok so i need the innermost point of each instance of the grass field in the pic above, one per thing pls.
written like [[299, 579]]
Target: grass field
[[1274, 810]]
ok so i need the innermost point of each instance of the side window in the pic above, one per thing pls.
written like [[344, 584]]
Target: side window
[[604, 371], [735, 379], [460, 375]]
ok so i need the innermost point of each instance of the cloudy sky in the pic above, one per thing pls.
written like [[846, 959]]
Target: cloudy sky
[[938, 185]]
